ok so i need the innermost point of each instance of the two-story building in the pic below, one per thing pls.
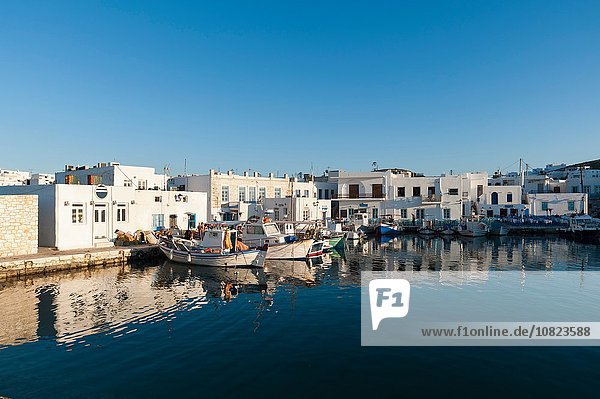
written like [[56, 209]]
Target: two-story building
[[234, 197]]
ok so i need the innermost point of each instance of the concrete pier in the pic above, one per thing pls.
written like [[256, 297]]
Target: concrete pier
[[48, 260]]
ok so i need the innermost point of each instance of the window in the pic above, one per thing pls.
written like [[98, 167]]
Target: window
[[377, 190], [242, 194], [157, 199], [416, 191], [276, 214], [446, 213], [401, 191], [403, 213], [251, 194], [127, 183], [77, 214], [158, 220], [494, 198], [262, 193], [306, 194], [420, 213], [453, 191], [508, 197], [575, 189], [320, 193], [586, 189], [141, 184], [431, 191], [121, 212], [327, 193], [306, 214], [544, 206], [479, 190], [298, 193], [224, 193], [571, 205], [255, 230], [353, 191], [100, 215], [277, 192]]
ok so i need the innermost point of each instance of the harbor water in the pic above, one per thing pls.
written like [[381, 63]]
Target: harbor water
[[291, 329]]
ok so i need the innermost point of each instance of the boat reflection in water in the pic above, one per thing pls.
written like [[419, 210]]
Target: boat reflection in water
[[78, 307]]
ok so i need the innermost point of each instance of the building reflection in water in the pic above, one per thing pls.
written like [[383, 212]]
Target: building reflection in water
[[66, 308]]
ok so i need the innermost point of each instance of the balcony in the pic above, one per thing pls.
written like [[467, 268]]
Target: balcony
[[431, 198], [359, 196]]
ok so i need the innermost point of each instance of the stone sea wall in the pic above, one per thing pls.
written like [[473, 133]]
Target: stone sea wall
[[18, 225]]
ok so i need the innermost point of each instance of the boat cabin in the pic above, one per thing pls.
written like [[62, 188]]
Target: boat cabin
[[258, 234]]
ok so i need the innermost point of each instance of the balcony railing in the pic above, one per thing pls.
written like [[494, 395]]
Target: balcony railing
[[431, 198], [358, 196]]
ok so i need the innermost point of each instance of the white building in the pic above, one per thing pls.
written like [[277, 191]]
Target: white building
[[532, 183], [403, 194], [237, 197], [298, 209], [357, 192], [501, 201], [113, 174], [584, 180], [448, 197], [13, 177], [557, 204], [83, 216], [41, 179]]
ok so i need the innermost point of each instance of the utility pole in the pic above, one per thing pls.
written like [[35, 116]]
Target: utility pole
[[521, 179]]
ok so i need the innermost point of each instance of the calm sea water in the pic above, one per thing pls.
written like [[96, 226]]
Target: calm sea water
[[293, 330]]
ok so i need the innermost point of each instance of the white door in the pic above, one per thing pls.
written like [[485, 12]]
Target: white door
[[100, 222]]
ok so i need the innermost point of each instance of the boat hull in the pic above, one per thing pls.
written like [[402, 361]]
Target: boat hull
[[293, 250], [383, 230], [251, 258], [337, 242]]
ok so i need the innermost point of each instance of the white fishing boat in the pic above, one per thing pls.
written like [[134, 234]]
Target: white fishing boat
[[216, 248], [473, 229], [281, 246], [360, 222]]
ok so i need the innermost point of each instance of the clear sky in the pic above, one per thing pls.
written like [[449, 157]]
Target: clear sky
[[280, 85]]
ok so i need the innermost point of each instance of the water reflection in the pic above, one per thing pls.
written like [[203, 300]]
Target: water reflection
[[69, 308]]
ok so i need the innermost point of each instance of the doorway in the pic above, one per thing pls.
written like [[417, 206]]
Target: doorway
[[100, 222]]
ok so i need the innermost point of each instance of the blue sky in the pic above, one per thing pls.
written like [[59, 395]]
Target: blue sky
[[280, 85]]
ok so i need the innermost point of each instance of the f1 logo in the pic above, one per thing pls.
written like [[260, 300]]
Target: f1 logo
[[388, 298]]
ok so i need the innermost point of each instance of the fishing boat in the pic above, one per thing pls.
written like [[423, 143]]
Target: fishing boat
[[473, 229], [360, 221], [281, 246], [337, 241], [387, 229], [216, 248], [316, 249], [427, 229], [447, 231]]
